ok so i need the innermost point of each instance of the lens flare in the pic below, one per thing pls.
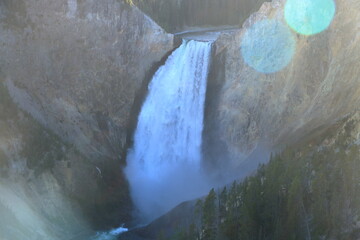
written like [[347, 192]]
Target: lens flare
[[309, 17], [268, 46]]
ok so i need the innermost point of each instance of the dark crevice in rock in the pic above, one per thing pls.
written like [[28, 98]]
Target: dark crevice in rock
[[213, 148]]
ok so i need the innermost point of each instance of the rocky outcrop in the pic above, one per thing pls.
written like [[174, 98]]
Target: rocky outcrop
[[76, 67], [180, 15], [320, 85]]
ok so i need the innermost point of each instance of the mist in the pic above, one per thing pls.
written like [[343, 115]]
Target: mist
[[164, 165], [154, 196], [22, 218]]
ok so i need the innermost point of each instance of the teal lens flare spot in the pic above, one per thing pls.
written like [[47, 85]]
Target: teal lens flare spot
[[268, 46], [309, 17]]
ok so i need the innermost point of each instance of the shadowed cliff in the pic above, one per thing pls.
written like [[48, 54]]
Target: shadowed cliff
[[178, 16]]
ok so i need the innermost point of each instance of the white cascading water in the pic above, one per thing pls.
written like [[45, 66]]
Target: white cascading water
[[163, 167]]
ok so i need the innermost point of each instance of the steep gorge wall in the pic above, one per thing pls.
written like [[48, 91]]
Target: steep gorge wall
[[320, 85], [75, 67]]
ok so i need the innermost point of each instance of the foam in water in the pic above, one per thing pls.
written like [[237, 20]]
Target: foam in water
[[111, 235], [164, 164]]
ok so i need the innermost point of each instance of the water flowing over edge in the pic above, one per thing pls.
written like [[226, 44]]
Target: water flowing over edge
[[164, 165]]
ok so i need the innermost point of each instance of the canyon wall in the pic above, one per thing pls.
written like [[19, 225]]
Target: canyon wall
[[249, 109], [72, 71]]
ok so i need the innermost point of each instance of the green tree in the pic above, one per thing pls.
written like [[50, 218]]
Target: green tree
[[193, 233], [222, 211], [294, 209], [209, 216], [231, 227]]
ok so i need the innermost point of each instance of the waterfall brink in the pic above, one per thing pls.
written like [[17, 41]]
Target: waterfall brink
[[163, 167]]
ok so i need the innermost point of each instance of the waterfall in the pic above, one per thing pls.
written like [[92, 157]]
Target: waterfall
[[163, 167]]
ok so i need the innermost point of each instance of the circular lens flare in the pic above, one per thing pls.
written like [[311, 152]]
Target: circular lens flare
[[309, 17], [268, 46]]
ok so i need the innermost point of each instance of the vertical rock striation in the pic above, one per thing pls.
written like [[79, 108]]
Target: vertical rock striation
[[76, 66]]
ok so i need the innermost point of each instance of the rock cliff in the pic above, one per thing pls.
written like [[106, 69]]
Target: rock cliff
[[321, 84], [74, 68]]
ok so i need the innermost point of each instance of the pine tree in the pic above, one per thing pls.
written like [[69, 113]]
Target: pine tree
[[209, 216]]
